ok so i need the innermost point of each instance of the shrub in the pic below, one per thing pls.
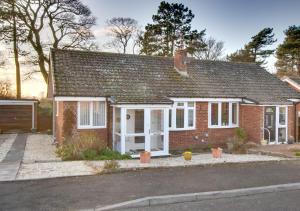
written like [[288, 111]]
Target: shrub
[[105, 154], [237, 143], [297, 153], [73, 149], [88, 147]]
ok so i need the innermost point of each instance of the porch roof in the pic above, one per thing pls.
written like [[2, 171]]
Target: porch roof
[[152, 79]]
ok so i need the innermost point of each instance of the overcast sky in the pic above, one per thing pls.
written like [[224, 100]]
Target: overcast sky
[[232, 21]]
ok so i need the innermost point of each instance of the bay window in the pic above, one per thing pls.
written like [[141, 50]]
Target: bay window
[[222, 115], [91, 114], [182, 116]]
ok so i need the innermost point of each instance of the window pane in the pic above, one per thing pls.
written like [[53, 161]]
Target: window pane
[[225, 114], [170, 117], [191, 104], [282, 115], [234, 113], [98, 113], [134, 144], [281, 135], [118, 120], [214, 114], [157, 121], [157, 142], [180, 104], [179, 118], [84, 113], [135, 121], [191, 118]]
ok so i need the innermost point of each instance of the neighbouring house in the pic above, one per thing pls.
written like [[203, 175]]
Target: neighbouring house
[[294, 82], [137, 103]]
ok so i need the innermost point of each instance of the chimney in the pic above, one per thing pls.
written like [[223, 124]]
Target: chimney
[[180, 61]]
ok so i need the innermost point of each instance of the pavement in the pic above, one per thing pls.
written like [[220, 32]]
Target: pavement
[[281, 150], [275, 201], [10, 164], [101, 190]]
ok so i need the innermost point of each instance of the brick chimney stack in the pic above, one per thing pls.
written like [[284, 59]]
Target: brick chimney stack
[[180, 61]]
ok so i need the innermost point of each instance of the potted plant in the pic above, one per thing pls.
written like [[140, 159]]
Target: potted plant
[[145, 157], [216, 152], [187, 155]]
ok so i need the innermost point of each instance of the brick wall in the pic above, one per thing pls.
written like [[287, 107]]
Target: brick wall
[[101, 133], [252, 120], [202, 136]]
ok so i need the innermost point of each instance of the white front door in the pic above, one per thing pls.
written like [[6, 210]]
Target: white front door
[[145, 129], [158, 133], [275, 124]]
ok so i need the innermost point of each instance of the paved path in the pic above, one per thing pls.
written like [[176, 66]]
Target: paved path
[[40, 170], [92, 191], [10, 165]]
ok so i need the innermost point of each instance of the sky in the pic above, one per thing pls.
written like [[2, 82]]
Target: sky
[[231, 21]]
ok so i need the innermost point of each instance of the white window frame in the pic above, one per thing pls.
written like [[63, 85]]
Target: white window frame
[[278, 125], [186, 109], [90, 126], [219, 125]]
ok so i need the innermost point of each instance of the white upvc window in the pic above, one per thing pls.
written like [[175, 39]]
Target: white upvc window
[[91, 114], [223, 115], [182, 116]]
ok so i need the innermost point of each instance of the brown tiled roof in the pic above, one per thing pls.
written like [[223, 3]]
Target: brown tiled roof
[[151, 79]]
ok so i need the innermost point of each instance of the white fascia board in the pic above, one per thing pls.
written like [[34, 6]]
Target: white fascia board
[[142, 106], [207, 99], [79, 98], [294, 100], [292, 82], [16, 102], [248, 101]]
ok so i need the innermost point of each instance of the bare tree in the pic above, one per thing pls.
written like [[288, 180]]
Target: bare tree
[[5, 89], [122, 30], [12, 33], [213, 50], [66, 23]]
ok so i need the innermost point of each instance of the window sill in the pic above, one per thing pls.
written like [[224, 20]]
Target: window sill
[[90, 127], [222, 127], [181, 129]]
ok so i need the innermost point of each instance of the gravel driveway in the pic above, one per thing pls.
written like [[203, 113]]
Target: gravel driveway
[[39, 148]]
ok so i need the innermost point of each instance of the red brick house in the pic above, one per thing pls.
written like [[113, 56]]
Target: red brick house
[[294, 83], [157, 104]]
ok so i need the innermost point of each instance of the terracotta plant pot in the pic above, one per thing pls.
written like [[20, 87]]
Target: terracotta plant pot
[[187, 155], [145, 157], [216, 152]]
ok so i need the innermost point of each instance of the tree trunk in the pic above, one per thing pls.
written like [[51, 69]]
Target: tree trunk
[[16, 56]]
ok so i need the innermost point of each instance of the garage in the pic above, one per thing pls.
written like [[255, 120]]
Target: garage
[[18, 115]]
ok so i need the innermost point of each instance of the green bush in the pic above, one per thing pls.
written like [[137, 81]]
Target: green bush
[[79, 152], [237, 143], [240, 133], [297, 153], [104, 154]]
